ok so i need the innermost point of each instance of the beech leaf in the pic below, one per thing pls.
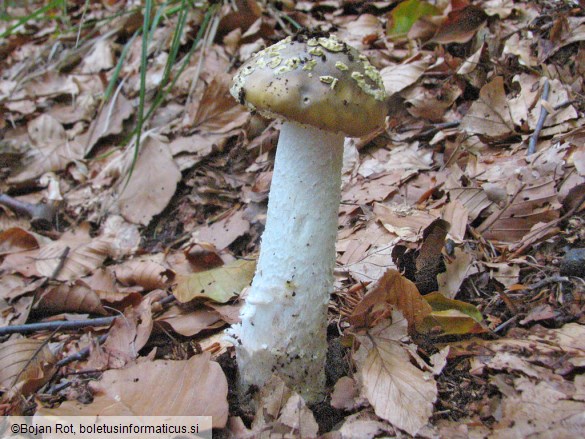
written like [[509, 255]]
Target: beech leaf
[[195, 387], [220, 284], [25, 365], [399, 391]]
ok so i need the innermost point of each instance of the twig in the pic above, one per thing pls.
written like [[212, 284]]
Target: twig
[[68, 324], [548, 280], [38, 212], [60, 324], [541, 118], [506, 323], [553, 223], [436, 128], [61, 262], [81, 354]]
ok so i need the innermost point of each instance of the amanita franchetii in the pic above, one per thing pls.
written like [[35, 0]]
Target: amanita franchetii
[[322, 89]]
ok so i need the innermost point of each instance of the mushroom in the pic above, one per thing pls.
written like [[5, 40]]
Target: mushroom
[[322, 89]]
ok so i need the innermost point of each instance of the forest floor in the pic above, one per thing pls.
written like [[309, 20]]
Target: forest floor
[[459, 292]]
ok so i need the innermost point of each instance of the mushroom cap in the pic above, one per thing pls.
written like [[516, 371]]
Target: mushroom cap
[[318, 81]]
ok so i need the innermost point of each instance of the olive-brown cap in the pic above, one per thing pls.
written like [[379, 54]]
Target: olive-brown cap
[[319, 81]]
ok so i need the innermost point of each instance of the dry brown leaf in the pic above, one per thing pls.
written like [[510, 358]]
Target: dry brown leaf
[[82, 109], [76, 254], [535, 202], [145, 272], [217, 111], [506, 273], [129, 334], [25, 365], [460, 25], [125, 236], [51, 84], [51, 150], [367, 252], [399, 391], [365, 424], [283, 412], [456, 214], [195, 387], [392, 292], [109, 121], [366, 190], [188, 151], [15, 313], [190, 323], [459, 268], [225, 231], [298, 417], [490, 114], [405, 222], [359, 33], [397, 78], [474, 199], [401, 157], [14, 286], [555, 414], [16, 240], [77, 297], [344, 394], [429, 103], [100, 57], [152, 184], [472, 62]]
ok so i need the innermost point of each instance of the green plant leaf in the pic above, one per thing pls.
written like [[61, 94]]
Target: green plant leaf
[[407, 13], [452, 316]]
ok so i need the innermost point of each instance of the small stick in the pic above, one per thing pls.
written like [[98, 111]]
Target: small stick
[[61, 262], [541, 118], [548, 280], [45, 212], [68, 324], [60, 324], [81, 354]]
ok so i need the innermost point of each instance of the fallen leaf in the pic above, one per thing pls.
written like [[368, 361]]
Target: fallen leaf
[[74, 255], [25, 365], [458, 268], [344, 394], [399, 391], [78, 297], [490, 114], [129, 334], [460, 25], [190, 323], [219, 284], [109, 121], [280, 409], [406, 14], [217, 111], [225, 231], [195, 387], [452, 316], [392, 291], [152, 184], [51, 150], [147, 272]]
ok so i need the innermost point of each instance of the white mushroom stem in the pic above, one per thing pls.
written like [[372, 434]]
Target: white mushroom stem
[[284, 320]]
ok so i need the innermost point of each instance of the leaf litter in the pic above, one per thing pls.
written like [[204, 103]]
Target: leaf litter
[[456, 303]]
